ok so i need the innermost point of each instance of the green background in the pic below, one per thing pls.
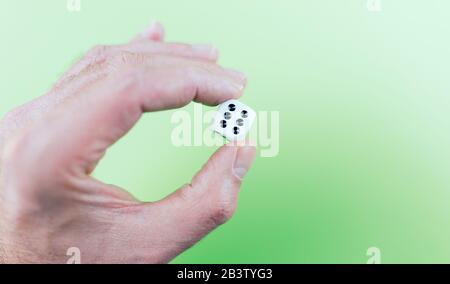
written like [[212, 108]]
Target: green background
[[364, 102]]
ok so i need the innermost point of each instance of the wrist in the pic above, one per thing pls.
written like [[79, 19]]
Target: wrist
[[8, 253], [3, 255]]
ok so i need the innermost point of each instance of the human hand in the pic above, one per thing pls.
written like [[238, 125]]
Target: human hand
[[49, 202]]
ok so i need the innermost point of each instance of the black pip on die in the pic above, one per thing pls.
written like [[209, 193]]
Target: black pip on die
[[233, 120]]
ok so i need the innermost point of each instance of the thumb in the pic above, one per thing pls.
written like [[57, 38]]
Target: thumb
[[216, 186], [209, 201], [211, 198]]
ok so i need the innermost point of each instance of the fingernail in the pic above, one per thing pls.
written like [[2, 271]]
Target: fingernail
[[244, 160], [207, 49], [240, 172], [239, 87], [148, 30], [238, 75], [155, 29]]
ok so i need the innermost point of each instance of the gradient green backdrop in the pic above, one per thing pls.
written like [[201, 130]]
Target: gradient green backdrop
[[364, 107]]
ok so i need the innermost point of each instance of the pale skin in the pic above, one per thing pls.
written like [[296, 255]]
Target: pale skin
[[49, 202]]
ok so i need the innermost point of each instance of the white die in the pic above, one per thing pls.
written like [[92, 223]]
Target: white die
[[233, 120]]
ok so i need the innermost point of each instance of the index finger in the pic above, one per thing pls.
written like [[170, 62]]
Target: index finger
[[77, 134]]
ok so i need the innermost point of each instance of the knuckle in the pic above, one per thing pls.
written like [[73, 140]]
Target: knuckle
[[126, 58], [186, 193], [97, 55], [191, 85], [192, 75], [99, 51], [222, 212], [120, 57], [216, 210]]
